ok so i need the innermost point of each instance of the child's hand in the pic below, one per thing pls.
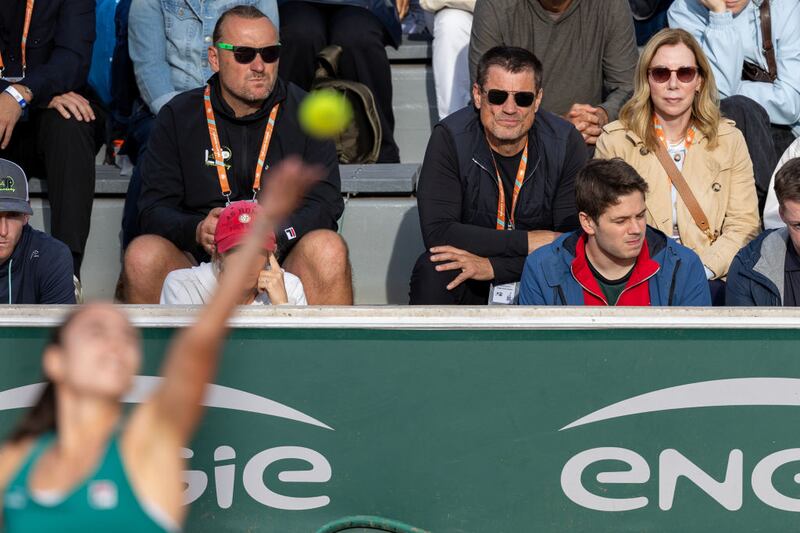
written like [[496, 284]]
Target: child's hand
[[271, 282]]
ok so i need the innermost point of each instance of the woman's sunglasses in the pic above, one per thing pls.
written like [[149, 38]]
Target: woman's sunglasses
[[522, 98], [663, 74], [246, 54]]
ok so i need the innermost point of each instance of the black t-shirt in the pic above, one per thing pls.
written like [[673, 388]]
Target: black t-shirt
[[508, 167], [791, 279], [612, 288]]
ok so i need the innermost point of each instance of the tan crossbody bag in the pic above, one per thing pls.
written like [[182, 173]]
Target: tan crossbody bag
[[685, 192]]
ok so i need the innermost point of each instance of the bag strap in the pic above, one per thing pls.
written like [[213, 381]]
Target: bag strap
[[766, 37], [684, 190]]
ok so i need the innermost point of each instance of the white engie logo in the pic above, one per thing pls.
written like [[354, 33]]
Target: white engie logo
[[224, 474], [672, 464]]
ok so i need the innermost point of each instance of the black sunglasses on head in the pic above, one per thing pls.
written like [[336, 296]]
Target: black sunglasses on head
[[663, 74], [246, 54], [521, 98]]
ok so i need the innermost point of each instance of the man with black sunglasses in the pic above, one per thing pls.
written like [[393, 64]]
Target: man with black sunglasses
[[214, 145], [497, 183]]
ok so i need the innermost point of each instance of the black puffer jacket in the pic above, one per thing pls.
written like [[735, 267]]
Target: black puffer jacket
[[457, 193]]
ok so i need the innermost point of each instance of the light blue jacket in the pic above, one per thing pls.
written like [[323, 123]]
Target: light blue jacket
[[728, 41], [168, 43]]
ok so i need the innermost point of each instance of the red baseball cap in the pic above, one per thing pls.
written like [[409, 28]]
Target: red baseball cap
[[234, 223]]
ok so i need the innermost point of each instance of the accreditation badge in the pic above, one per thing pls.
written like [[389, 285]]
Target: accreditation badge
[[505, 294]]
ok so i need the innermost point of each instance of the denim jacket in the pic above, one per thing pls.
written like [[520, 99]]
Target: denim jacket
[[168, 42], [728, 41]]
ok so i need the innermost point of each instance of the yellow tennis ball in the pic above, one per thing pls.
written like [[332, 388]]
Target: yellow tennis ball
[[325, 113]]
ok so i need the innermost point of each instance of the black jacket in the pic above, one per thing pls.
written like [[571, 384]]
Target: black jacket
[[59, 50], [457, 192], [39, 269], [180, 187]]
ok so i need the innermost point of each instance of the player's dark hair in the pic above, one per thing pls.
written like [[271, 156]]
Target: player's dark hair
[[41, 418]]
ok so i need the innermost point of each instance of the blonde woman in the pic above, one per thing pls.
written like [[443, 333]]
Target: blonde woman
[[675, 104]]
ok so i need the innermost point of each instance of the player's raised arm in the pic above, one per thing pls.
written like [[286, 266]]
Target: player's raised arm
[[191, 360]]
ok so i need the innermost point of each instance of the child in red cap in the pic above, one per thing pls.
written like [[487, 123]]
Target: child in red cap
[[271, 285]]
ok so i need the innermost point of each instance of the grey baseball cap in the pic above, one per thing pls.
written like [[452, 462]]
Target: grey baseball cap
[[13, 188]]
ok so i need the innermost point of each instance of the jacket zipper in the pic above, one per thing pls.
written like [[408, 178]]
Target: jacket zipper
[[672, 285], [561, 295], [584, 287], [526, 180], [604, 300], [638, 283]]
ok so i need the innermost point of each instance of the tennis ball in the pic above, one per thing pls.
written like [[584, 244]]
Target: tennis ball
[[325, 113]]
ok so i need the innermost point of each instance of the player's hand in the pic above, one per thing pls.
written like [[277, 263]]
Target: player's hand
[[470, 265], [72, 105], [204, 234], [271, 281]]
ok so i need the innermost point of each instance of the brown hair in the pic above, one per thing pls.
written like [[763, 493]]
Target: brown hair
[[41, 418], [637, 114], [787, 181], [602, 182]]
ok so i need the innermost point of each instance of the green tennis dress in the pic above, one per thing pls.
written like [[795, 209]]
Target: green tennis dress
[[103, 502]]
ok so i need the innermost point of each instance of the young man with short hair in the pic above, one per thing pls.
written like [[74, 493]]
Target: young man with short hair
[[35, 268], [766, 272], [615, 258]]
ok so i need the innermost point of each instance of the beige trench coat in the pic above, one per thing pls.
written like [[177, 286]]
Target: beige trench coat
[[721, 180]]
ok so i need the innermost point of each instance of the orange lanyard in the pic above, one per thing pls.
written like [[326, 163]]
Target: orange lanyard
[[217, 149], [687, 141], [501, 201], [25, 28]]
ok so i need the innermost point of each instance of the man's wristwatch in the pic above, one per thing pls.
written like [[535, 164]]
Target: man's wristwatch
[[16, 95]]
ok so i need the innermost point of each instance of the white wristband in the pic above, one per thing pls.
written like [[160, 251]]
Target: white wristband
[[17, 96]]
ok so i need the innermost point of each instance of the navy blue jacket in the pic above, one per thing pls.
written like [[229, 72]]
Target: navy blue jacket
[[756, 275], [457, 192], [680, 280], [59, 50], [40, 270]]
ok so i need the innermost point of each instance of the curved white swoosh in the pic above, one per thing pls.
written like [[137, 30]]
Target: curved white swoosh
[[143, 386], [717, 393]]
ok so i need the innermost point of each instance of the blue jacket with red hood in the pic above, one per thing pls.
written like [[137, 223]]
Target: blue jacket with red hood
[[558, 274]]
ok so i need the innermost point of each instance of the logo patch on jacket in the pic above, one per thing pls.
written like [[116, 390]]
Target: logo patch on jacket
[[290, 233], [226, 157]]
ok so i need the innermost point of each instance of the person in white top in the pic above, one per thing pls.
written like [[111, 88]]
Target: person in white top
[[270, 285]]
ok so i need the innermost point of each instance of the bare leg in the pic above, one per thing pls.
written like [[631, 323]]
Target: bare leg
[[148, 260], [321, 262]]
